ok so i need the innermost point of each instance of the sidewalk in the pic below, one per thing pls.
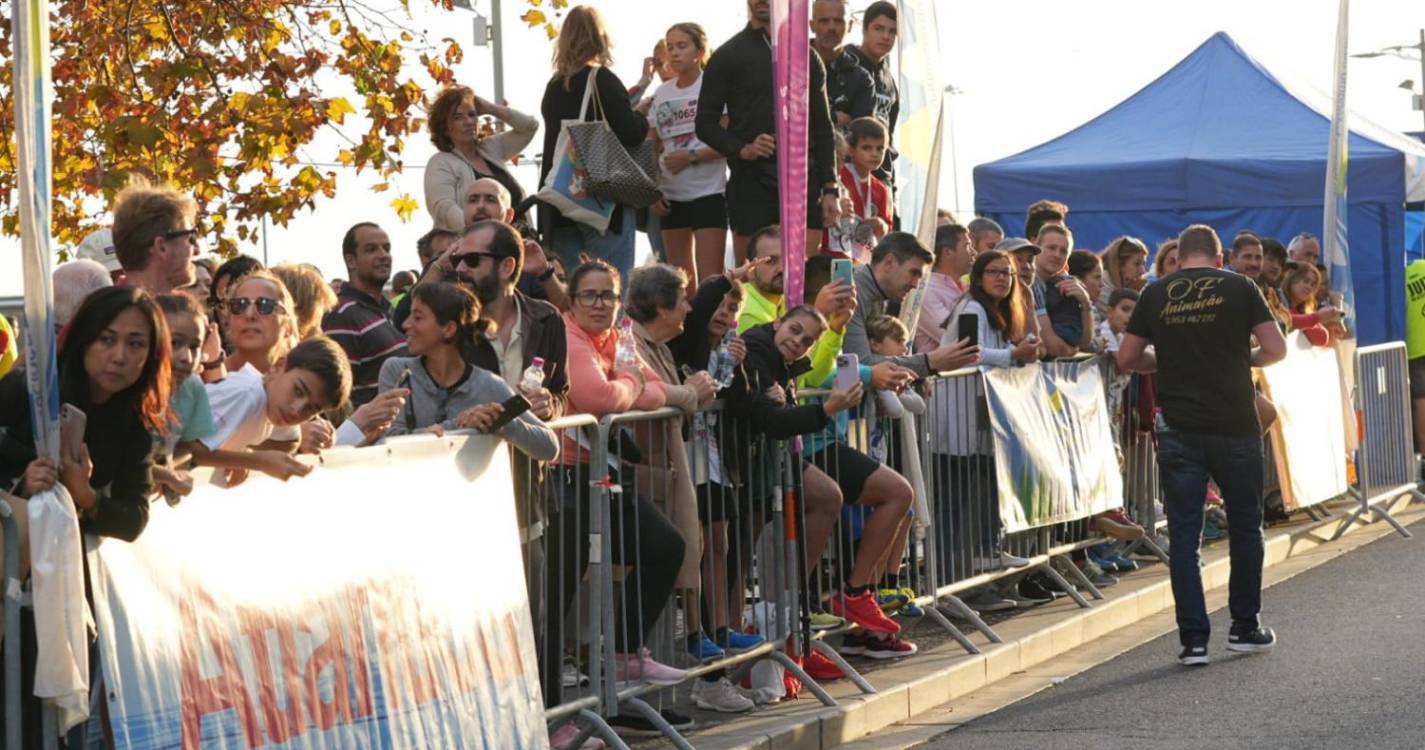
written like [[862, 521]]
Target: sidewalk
[[942, 673]]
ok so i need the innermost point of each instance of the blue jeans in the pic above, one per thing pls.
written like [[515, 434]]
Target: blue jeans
[[615, 248], [1185, 461]]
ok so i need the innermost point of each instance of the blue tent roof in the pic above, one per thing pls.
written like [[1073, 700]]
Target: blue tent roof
[[1216, 131], [1220, 140]]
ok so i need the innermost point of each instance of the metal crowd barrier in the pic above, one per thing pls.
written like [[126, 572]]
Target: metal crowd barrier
[[1386, 464]]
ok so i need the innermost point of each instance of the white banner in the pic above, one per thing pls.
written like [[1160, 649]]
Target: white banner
[[1310, 432], [1054, 454], [378, 602]]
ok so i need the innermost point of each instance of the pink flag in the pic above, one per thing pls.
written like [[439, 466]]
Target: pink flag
[[791, 48]]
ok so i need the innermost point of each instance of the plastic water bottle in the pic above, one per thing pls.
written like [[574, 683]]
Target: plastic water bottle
[[844, 233], [533, 377], [626, 359], [723, 364]]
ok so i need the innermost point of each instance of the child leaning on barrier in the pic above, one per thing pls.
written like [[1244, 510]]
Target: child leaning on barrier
[[248, 405], [191, 416], [447, 393]]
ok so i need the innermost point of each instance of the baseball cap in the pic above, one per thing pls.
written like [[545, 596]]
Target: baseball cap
[[99, 246], [1013, 244]]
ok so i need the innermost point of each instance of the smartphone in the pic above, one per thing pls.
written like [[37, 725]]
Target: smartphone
[[841, 269], [512, 407], [72, 422], [409, 407], [968, 328], [848, 371], [405, 380]]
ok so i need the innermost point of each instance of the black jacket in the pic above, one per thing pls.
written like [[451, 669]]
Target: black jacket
[[542, 335], [868, 89], [763, 368], [738, 78], [561, 103], [693, 347], [119, 446]]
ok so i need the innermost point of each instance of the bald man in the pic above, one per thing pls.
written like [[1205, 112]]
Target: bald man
[[486, 199]]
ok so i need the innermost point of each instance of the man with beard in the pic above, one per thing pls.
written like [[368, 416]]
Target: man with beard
[[488, 260], [361, 322]]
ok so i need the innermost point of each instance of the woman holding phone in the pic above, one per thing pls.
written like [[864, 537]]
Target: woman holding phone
[[447, 393], [991, 308]]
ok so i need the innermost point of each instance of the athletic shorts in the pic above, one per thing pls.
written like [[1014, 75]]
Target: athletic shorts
[[707, 212], [1417, 377], [752, 205], [718, 502], [848, 467]]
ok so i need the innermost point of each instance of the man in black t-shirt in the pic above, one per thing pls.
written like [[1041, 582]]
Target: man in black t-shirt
[[1201, 322]]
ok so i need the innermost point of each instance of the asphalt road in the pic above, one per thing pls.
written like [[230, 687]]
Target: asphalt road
[[1348, 672]]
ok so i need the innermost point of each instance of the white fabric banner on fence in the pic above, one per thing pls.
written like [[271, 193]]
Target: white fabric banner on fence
[[1054, 454], [1306, 388], [378, 602]]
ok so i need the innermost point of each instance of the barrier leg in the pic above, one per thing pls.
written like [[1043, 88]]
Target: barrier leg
[[1073, 593], [840, 661], [791, 665], [955, 633], [1079, 576], [599, 726], [958, 605], [655, 718]]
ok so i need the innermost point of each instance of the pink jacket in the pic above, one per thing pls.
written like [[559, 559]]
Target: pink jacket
[[595, 389]]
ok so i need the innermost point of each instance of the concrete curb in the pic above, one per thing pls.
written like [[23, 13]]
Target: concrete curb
[[936, 677]]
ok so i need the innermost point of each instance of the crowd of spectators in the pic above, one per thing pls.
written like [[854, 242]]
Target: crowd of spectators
[[243, 368]]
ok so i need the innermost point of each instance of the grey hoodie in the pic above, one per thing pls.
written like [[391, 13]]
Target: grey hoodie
[[431, 404]]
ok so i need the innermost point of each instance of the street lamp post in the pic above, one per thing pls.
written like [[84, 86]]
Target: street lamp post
[[951, 91], [1397, 51]]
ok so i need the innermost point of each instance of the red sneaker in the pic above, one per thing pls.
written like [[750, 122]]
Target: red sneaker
[[820, 668], [864, 611], [889, 648]]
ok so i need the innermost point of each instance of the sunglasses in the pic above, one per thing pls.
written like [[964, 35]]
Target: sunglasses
[[472, 259], [191, 234], [265, 305]]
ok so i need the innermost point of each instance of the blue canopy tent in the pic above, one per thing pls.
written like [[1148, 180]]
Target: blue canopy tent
[[1220, 140]]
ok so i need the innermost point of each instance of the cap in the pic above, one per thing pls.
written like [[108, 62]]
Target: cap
[[1014, 244], [99, 246]]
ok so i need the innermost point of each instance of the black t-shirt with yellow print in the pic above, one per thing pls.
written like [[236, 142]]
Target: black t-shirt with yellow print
[[1200, 322]]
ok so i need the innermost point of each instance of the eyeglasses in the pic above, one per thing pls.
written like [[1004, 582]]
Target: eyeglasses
[[191, 234], [265, 305], [591, 298], [998, 272], [472, 259]]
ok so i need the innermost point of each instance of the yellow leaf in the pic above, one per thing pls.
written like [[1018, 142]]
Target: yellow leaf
[[338, 108], [533, 17], [551, 32], [405, 206], [335, 27], [560, 4], [345, 157]]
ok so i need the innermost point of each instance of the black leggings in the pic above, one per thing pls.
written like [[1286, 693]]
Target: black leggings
[[642, 537]]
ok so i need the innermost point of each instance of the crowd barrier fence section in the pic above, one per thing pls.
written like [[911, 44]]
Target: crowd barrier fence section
[[1386, 463], [10, 575]]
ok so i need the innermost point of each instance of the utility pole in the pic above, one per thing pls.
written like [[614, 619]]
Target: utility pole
[[1418, 100]]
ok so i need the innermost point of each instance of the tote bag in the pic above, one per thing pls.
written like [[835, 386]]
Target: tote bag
[[615, 172], [566, 187]]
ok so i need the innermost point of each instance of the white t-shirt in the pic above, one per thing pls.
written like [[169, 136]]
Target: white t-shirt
[[239, 404], [674, 111]]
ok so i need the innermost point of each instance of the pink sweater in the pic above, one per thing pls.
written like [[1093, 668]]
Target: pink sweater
[[594, 387]]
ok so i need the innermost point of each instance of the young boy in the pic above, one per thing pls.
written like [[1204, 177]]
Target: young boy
[[1120, 308], [1110, 333], [870, 198], [192, 415], [312, 378], [888, 337]]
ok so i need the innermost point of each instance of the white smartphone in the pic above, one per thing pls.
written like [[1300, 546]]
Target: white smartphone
[[848, 371], [72, 422]]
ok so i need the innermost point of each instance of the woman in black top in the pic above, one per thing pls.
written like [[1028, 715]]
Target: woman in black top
[[113, 366], [584, 46]]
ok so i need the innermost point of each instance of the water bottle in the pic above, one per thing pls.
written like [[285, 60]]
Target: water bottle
[[533, 377], [723, 364], [626, 360], [844, 233]]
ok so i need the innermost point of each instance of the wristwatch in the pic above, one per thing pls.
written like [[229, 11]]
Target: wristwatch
[[829, 190], [541, 278], [693, 156]]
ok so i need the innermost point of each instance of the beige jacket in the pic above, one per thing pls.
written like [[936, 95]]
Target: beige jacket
[[664, 475], [448, 175]]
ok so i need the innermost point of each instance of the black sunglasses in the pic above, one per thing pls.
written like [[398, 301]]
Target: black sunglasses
[[191, 234], [473, 259], [265, 305]]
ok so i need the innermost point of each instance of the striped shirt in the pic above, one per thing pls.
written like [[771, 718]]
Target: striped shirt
[[363, 328]]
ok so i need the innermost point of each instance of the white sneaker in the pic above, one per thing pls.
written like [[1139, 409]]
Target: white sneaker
[[1012, 561], [1002, 560], [571, 677], [720, 696]]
